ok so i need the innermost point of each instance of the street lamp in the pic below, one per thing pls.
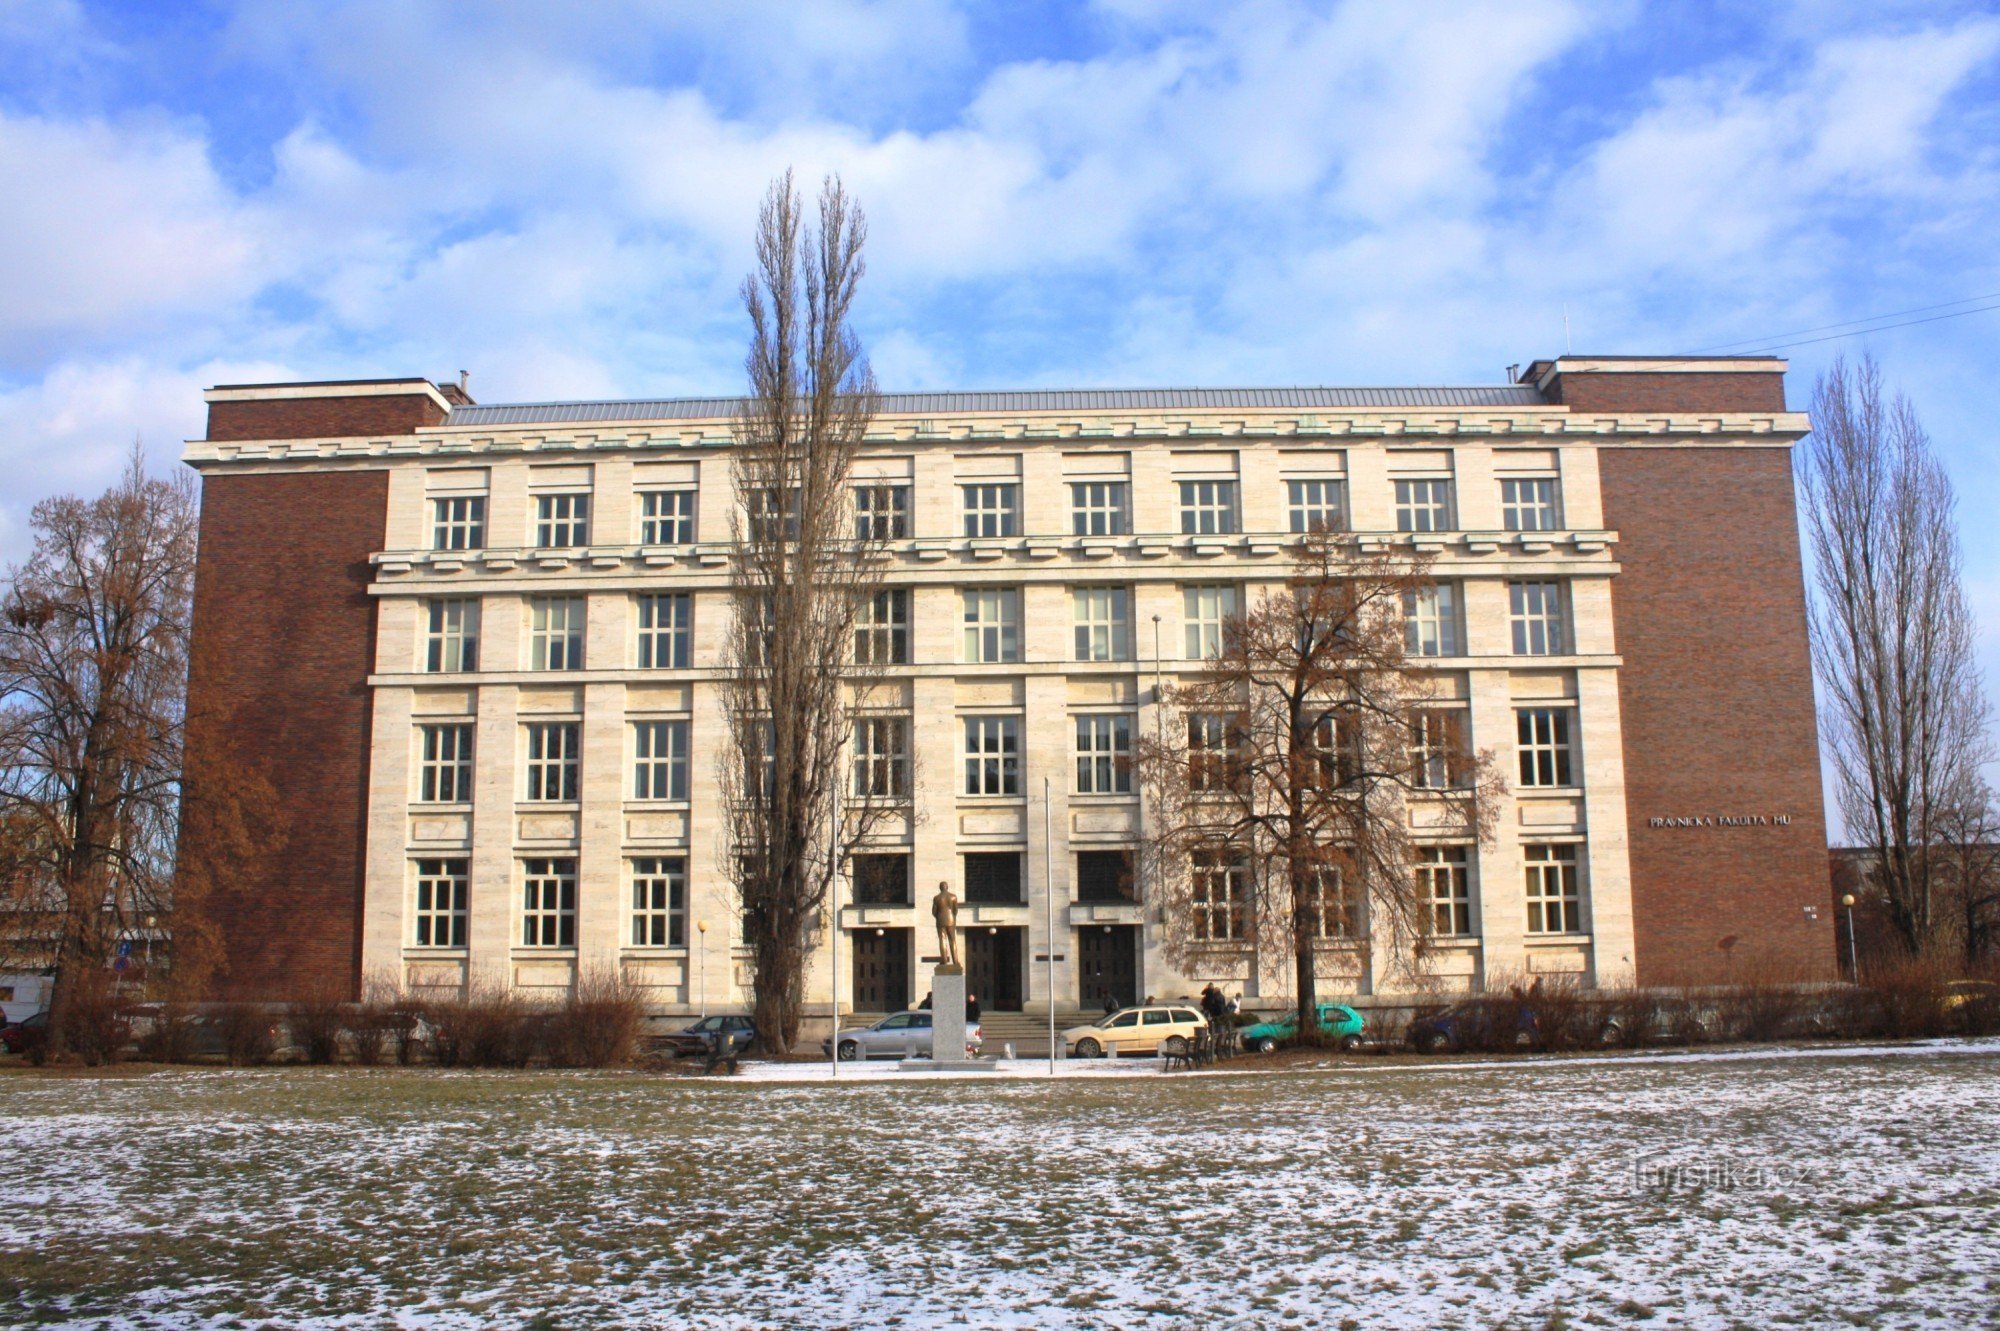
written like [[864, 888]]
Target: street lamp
[[1853, 956], [701, 965]]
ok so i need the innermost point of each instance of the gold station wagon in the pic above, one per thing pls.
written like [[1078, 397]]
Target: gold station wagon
[[1135, 1030]]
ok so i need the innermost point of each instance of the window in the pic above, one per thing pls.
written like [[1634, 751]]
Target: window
[[992, 625], [772, 517], [1554, 904], [1329, 905], [659, 760], [992, 755], [451, 641], [1434, 749], [882, 629], [666, 517], [458, 522], [666, 632], [553, 760], [1544, 740], [548, 902], [1443, 883], [881, 512], [1104, 754], [1215, 760], [1423, 505], [1529, 505], [659, 901], [443, 888], [758, 613], [1103, 623], [882, 757], [1221, 893], [1534, 611], [1100, 508], [1430, 620], [993, 509], [444, 770], [1317, 505], [1208, 508], [1205, 610], [1335, 741], [993, 879], [1105, 878], [555, 633], [881, 880], [762, 742], [562, 521]]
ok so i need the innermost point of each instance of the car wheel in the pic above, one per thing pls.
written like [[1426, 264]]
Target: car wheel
[[1612, 1035], [1349, 1043], [1089, 1048], [1266, 1045], [849, 1051], [1436, 1042]]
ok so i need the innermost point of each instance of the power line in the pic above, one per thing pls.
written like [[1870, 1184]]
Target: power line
[[1908, 323], [1764, 342]]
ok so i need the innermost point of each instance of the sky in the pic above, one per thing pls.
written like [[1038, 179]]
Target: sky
[[559, 198]]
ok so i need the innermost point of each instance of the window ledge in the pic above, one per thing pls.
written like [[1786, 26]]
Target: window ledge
[[1555, 940], [526, 952], [1455, 942], [419, 952], [649, 950]]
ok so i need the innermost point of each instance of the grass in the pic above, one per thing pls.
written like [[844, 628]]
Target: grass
[[1456, 1196]]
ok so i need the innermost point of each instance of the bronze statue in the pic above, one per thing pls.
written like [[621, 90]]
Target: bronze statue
[[944, 909]]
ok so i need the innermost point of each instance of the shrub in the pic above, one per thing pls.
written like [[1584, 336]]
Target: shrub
[[488, 1027], [172, 1037], [1909, 996], [316, 1021], [249, 1036], [369, 1033], [1563, 1017], [599, 1025], [94, 1030]]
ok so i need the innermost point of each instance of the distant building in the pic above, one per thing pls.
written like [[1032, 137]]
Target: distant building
[[475, 648]]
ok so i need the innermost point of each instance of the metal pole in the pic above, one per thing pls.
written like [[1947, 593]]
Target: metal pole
[[701, 964], [833, 915], [1853, 956], [1049, 908]]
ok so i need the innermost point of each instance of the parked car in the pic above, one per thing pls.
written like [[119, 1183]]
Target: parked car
[[1469, 1026], [1135, 1030], [1341, 1023], [698, 1039], [898, 1035], [19, 1036]]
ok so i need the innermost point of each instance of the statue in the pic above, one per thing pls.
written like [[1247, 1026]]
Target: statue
[[944, 909]]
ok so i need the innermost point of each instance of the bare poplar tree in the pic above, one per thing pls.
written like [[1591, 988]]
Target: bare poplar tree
[[1902, 707], [1969, 867], [805, 570], [1284, 778]]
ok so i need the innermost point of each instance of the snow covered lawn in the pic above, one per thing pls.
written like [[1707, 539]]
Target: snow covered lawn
[[1758, 1190]]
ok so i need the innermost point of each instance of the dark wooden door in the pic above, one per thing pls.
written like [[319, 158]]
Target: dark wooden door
[[1107, 959], [881, 969], [993, 968]]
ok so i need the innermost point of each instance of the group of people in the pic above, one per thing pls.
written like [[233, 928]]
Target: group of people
[[971, 1008], [1217, 1006]]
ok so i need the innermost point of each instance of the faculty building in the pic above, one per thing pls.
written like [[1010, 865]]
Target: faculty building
[[475, 651]]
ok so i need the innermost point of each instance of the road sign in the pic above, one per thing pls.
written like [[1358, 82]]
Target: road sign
[[124, 948]]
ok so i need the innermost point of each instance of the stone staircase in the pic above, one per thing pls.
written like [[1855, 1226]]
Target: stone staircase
[[1027, 1032]]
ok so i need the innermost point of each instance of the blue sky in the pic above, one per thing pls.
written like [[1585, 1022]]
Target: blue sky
[[558, 198]]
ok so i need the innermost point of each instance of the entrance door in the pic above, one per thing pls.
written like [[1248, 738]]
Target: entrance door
[[881, 969], [993, 968], [1107, 961]]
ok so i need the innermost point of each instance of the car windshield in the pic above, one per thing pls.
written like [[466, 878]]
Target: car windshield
[[707, 1024]]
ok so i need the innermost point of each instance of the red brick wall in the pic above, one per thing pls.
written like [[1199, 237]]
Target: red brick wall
[[322, 417], [1717, 698], [1692, 392], [284, 634]]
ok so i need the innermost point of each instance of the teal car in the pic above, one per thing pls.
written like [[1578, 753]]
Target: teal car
[[1339, 1021]]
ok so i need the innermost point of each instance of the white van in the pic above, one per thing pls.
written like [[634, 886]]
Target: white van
[[22, 996]]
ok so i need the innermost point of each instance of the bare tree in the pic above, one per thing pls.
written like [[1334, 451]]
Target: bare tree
[[806, 571], [1968, 865], [1285, 778], [1902, 707]]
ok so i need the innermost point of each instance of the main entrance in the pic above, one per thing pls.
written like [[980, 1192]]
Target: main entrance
[[881, 969], [1107, 963], [993, 967]]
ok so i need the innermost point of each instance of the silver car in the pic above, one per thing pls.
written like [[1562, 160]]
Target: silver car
[[898, 1035]]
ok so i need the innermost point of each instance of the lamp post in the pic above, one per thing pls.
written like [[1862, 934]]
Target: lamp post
[[1049, 910], [701, 964], [1853, 954]]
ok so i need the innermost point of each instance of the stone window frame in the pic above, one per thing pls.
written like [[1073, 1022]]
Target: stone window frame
[[551, 761], [1552, 888], [554, 647], [992, 509], [882, 510], [1545, 738], [1102, 632], [451, 643], [660, 894], [440, 901], [660, 776], [444, 777], [1002, 626], [1101, 507], [1316, 503], [881, 756], [1219, 894], [1425, 504], [562, 519], [1210, 506], [548, 901], [883, 639], [1430, 621], [1103, 752], [663, 523], [1446, 865], [676, 634], [1537, 619], [1202, 631], [1540, 511], [990, 749], [458, 522]]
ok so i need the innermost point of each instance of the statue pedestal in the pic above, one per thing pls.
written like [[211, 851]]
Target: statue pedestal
[[948, 1028]]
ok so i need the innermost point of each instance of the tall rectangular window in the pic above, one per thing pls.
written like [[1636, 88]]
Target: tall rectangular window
[[555, 633], [659, 901], [1104, 754], [1204, 610], [882, 629], [1100, 508], [1103, 623], [773, 514], [1221, 894], [1534, 612], [1106, 877], [1215, 759], [659, 760], [1329, 905], [1555, 903], [444, 888], [1423, 505], [1543, 733], [992, 755], [548, 901], [882, 757], [1435, 747], [993, 878], [881, 512], [562, 521], [992, 624], [555, 751], [1529, 504], [666, 517], [444, 768], [1316, 505], [1444, 884], [992, 509], [451, 637], [881, 880], [666, 631], [458, 522], [1430, 620], [1208, 508]]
